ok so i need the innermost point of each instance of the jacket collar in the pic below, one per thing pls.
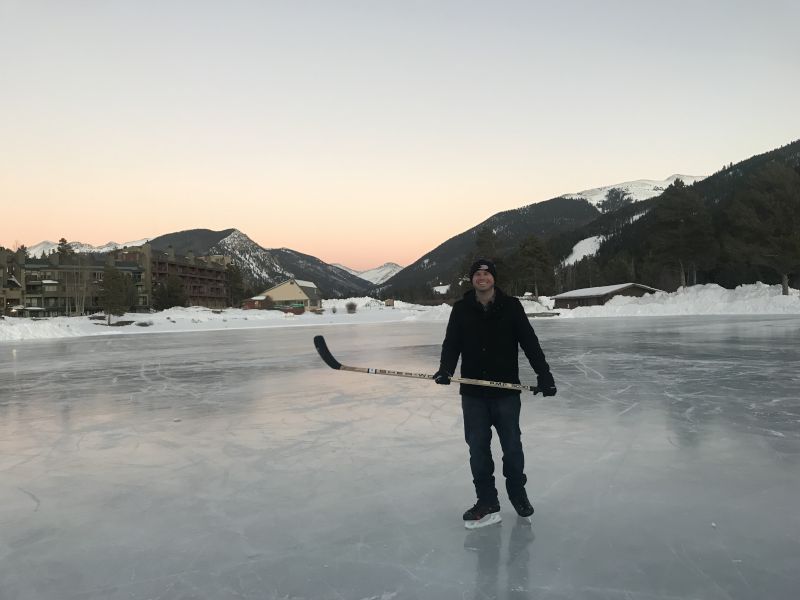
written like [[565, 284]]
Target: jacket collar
[[471, 299]]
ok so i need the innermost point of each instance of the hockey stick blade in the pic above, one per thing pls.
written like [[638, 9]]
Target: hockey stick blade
[[325, 354]]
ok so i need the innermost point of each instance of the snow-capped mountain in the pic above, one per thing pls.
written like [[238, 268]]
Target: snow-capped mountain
[[376, 275], [262, 268], [258, 265], [47, 247], [641, 189]]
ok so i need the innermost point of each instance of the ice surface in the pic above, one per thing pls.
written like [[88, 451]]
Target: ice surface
[[235, 464]]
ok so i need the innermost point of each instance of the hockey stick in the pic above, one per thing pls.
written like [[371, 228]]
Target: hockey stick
[[325, 354]]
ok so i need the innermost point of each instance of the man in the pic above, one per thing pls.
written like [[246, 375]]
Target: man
[[486, 328]]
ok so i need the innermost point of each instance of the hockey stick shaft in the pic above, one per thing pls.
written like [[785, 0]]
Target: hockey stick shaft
[[327, 356]]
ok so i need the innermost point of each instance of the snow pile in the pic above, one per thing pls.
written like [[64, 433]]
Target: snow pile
[[174, 320], [532, 304], [365, 303], [709, 299]]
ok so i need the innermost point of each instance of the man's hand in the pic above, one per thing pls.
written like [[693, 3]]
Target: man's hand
[[546, 384], [442, 377]]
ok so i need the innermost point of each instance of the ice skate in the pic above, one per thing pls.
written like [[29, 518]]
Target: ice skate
[[522, 505], [482, 515]]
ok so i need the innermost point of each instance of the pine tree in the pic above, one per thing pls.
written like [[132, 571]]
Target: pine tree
[[762, 222], [236, 291], [530, 268], [169, 293], [683, 233], [64, 249], [115, 298], [615, 199], [486, 244]]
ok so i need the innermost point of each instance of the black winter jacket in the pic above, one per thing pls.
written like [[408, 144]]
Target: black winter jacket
[[488, 342]]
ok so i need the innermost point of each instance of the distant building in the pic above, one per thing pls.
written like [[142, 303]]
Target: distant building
[[204, 278], [256, 302], [295, 293], [597, 296], [72, 284], [11, 291]]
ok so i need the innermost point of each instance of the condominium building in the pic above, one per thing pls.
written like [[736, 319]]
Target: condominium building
[[72, 284]]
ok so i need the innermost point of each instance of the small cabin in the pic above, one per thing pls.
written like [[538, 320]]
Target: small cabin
[[597, 296]]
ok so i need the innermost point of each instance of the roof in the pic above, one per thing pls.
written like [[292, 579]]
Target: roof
[[605, 290], [258, 298], [48, 281], [299, 282], [312, 292]]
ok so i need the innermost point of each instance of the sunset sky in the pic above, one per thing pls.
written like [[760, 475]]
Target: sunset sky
[[370, 131]]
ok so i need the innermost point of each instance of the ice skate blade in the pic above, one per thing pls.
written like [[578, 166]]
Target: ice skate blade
[[489, 519]]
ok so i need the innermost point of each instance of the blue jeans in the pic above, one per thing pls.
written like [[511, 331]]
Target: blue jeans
[[480, 415]]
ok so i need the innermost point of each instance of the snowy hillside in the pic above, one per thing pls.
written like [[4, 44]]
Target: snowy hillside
[[641, 189], [258, 265], [264, 267], [47, 247], [584, 248]]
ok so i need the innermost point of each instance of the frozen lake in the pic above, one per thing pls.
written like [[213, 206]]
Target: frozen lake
[[235, 464]]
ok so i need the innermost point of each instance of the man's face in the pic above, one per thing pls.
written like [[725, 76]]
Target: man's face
[[482, 280]]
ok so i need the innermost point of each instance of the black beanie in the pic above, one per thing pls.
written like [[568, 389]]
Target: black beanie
[[483, 264]]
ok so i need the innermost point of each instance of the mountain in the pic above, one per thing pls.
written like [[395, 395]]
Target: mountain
[[736, 226], [512, 226], [262, 268], [47, 247], [557, 216], [376, 275]]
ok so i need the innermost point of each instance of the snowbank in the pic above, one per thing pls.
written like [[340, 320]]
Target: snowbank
[[709, 299], [368, 310], [697, 300]]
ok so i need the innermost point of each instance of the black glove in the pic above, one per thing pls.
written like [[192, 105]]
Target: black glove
[[442, 377], [546, 385]]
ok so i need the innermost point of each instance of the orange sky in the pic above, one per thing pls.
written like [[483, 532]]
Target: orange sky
[[366, 133]]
